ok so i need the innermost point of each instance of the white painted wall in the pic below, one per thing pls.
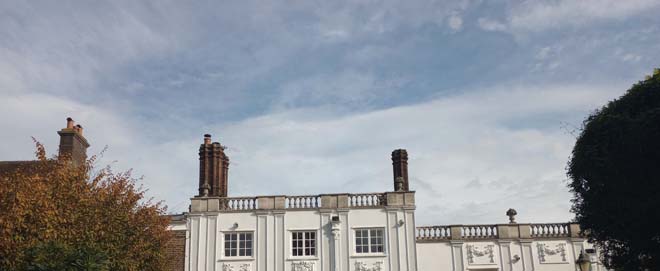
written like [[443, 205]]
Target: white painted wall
[[272, 238], [438, 256]]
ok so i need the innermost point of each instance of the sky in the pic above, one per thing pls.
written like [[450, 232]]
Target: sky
[[311, 97]]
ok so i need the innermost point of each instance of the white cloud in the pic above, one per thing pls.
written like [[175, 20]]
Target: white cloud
[[500, 137], [542, 15], [491, 25], [631, 57], [455, 22], [57, 49], [490, 135]]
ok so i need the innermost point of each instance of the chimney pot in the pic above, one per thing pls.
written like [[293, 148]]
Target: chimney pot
[[69, 123], [207, 139], [79, 129]]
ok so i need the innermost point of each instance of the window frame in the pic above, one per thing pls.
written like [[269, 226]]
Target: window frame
[[251, 250], [292, 247], [368, 238]]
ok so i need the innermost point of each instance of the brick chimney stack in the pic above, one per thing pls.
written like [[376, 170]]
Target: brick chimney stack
[[213, 169], [400, 168], [73, 145]]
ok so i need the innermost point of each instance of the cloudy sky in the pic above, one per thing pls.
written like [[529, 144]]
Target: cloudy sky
[[312, 96]]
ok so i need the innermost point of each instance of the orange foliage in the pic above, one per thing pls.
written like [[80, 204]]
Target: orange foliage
[[52, 200]]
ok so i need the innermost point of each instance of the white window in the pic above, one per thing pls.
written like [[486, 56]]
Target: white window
[[369, 241], [303, 243], [238, 244]]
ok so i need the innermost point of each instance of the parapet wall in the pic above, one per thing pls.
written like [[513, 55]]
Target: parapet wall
[[324, 201]]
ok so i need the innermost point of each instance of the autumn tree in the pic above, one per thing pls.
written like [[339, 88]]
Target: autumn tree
[[615, 178], [55, 215]]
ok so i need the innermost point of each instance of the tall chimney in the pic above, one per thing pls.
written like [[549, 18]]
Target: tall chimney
[[73, 145], [213, 169], [400, 169]]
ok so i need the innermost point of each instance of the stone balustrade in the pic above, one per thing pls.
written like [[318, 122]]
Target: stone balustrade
[[433, 233], [237, 204], [302, 202], [324, 201], [499, 231], [479, 232], [549, 230], [366, 200]]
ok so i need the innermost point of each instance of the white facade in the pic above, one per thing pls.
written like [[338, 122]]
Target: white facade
[[272, 222]]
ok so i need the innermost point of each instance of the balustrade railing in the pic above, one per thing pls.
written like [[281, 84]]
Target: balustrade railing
[[367, 200], [479, 232], [499, 231], [323, 201], [302, 202], [549, 230], [433, 233], [238, 204]]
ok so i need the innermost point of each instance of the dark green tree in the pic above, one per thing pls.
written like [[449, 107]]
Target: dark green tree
[[615, 178]]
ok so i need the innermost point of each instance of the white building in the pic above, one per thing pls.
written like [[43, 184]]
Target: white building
[[354, 232]]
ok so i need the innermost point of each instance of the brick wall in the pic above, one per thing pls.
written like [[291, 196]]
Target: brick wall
[[176, 251]]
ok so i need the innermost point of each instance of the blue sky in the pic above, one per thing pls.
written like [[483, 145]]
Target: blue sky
[[312, 96]]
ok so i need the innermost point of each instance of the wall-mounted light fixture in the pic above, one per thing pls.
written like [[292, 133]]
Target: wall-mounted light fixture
[[400, 223], [516, 258], [235, 226], [583, 262]]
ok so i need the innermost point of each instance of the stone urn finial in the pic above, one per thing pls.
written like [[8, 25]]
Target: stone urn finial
[[512, 215]]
